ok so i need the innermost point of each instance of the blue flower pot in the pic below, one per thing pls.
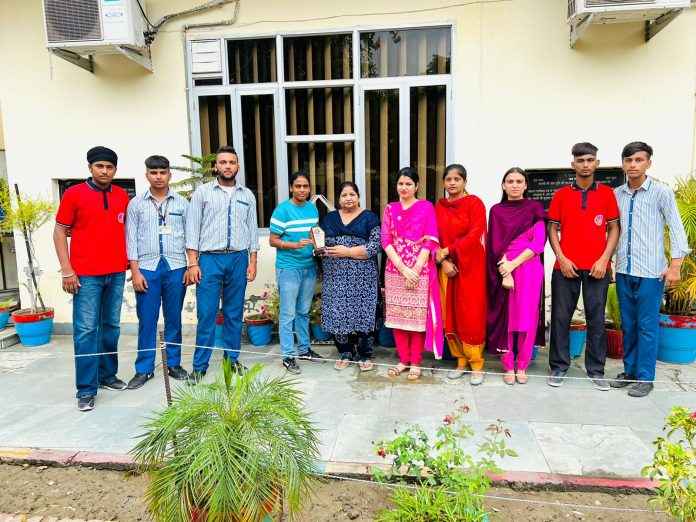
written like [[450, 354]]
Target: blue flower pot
[[386, 337], [260, 335], [578, 335], [319, 334], [535, 352], [34, 329], [677, 339], [4, 317]]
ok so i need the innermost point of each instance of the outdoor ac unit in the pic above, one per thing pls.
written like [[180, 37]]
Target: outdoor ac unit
[[610, 11], [79, 28]]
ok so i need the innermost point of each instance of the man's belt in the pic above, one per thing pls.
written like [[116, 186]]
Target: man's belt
[[223, 251]]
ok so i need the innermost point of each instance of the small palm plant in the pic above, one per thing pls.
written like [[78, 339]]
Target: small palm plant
[[201, 172], [231, 450], [680, 299]]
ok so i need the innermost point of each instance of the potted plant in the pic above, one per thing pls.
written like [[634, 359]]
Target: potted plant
[[315, 320], [260, 324], [677, 331], [613, 322], [201, 172], [233, 450], [26, 215]]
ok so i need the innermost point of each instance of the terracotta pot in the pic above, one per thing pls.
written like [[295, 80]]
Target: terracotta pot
[[614, 343], [269, 510]]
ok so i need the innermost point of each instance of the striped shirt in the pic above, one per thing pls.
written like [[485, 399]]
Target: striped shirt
[[217, 220], [292, 223], [145, 241], [644, 213]]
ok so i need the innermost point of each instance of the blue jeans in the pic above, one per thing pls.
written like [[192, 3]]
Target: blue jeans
[[222, 274], [640, 299], [166, 288], [96, 328], [296, 290]]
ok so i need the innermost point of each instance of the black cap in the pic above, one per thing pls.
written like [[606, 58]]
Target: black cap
[[101, 154]]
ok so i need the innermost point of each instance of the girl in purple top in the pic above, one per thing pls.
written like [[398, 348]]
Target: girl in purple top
[[516, 238]]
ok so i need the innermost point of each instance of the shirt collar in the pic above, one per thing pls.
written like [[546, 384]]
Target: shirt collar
[[645, 186], [216, 184], [591, 187], [94, 186], [148, 194]]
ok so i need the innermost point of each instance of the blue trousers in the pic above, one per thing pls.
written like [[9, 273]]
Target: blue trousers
[[222, 275], [640, 299], [96, 328], [165, 288], [296, 289]]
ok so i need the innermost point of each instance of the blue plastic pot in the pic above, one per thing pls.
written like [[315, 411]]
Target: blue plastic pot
[[260, 334], [535, 352], [319, 334], [4, 317], [578, 335], [677, 339], [386, 337], [34, 329]]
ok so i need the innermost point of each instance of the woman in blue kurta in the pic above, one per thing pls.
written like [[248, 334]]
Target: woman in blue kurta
[[351, 277]]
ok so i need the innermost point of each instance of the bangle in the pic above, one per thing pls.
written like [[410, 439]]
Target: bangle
[[69, 275], [191, 266]]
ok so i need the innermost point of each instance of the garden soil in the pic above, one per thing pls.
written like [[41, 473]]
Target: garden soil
[[87, 493]]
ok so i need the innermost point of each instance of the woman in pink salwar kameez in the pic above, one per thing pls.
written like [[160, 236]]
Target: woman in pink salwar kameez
[[516, 239], [412, 299]]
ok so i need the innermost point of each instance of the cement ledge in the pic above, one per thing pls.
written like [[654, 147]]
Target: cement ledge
[[520, 479]]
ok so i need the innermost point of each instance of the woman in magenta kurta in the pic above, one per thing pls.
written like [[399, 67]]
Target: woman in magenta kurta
[[516, 239], [412, 302]]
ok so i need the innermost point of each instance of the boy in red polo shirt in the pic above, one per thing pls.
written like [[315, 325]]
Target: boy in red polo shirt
[[94, 272], [587, 216]]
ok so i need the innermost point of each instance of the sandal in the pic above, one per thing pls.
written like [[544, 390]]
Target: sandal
[[366, 365], [522, 378], [341, 364], [509, 378], [413, 375], [395, 371]]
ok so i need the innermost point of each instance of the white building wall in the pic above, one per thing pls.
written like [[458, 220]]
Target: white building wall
[[521, 96]]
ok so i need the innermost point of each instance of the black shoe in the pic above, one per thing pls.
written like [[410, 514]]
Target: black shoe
[[311, 356], [641, 389], [238, 368], [114, 384], [290, 366], [556, 378], [139, 379], [621, 380], [195, 377], [85, 403], [178, 373]]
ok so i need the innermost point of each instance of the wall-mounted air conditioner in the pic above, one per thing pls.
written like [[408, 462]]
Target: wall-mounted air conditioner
[[609, 11], [88, 27], [656, 14]]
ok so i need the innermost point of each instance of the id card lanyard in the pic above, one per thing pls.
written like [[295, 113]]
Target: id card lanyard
[[163, 228]]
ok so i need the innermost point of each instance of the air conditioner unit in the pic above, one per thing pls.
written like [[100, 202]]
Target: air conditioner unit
[[89, 27], [612, 11]]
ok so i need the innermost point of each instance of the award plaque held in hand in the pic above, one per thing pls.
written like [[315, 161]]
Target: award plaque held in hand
[[319, 238]]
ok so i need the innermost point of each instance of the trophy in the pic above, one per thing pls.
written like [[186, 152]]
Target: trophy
[[319, 238]]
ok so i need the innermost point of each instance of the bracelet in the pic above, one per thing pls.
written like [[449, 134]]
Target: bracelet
[[191, 266], [69, 275], [282, 243]]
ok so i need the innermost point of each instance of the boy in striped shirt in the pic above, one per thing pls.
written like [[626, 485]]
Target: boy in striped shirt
[[641, 269]]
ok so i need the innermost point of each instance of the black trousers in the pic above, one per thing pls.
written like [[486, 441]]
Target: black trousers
[[347, 343], [564, 299]]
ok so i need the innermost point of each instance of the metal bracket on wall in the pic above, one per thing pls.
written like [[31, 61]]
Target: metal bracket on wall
[[86, 63], [143, 59], [654, 27], [579, 28]]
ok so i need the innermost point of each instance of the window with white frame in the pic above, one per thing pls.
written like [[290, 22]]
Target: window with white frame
[[342, 106]]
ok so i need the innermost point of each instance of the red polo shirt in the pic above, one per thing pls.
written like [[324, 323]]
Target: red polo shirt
[[583, 216], [96, 219]]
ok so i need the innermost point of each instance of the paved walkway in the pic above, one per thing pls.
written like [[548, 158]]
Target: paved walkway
[[574, 429]]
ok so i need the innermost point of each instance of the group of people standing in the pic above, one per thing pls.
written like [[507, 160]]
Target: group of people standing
[[449, 274]]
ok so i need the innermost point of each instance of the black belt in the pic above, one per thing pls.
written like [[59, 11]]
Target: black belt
[[223, 251]]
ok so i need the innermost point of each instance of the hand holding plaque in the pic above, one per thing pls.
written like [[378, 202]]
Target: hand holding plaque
[[319, 238]]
